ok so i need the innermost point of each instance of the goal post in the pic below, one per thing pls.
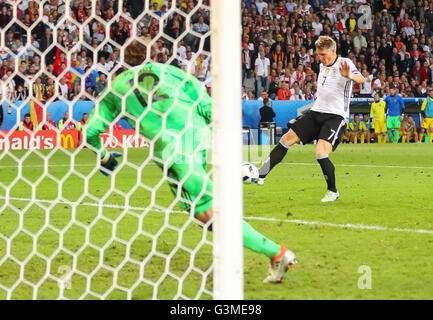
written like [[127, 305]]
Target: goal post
[[227, 149]]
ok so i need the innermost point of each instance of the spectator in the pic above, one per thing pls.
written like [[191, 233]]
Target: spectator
[[297, 94], [63, 88], [308, 94], [5, 17], [40, 90], [60, 58], [418, 73], [284, 92], [359, 41], [262, 72], [21, 93], [8, 86], [366, 88], [4, 68], [247, 62], [264, 96], [45, 43], [66, 75], [76, 71], [274, 87], [10, 41], [101, 84]]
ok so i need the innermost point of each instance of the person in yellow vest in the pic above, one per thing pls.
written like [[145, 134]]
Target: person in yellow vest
[[378, 118], [26, 124], [357, 130], [427, 114], [67, 123], [80, 124], [409, 130]]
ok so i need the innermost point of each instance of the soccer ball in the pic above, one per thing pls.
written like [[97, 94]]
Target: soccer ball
[[250, 173]]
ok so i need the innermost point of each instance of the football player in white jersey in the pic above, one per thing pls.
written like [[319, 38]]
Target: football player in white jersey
[[326, 121]]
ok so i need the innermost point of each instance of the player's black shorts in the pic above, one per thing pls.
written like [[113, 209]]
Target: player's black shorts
[[314, 125]]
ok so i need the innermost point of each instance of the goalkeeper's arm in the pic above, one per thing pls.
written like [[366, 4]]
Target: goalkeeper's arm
[[99, 121]]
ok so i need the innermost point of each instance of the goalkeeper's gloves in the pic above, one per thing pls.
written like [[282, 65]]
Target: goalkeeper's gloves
[[109, 163]]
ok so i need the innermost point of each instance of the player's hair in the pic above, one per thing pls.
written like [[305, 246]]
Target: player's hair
[[325, 42], [136, 52]]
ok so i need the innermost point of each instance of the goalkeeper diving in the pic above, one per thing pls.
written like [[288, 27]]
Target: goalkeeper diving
[[172, 109]]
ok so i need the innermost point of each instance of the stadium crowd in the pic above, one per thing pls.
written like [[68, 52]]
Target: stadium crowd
[[393, 47], [390, 42], [87, 46]]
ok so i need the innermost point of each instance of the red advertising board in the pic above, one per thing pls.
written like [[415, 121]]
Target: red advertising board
[[50, 139], [123, 139]]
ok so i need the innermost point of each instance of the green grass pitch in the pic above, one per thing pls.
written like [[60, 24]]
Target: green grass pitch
[[383, 220]]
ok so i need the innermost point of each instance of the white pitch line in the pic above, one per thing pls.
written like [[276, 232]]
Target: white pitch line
[[303, 222], [354, 165], [255, 162], [88, 204], [344, 226]]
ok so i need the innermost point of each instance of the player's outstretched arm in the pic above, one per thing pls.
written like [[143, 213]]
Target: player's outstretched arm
[[98, 122], [346, 72]]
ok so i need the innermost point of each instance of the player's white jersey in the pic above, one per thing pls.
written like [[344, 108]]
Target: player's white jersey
[[334, 90]]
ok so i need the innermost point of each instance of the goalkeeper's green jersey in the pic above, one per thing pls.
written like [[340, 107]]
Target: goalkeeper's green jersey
[[171, 107]]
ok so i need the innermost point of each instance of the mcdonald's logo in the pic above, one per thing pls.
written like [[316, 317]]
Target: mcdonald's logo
[[65, 139]]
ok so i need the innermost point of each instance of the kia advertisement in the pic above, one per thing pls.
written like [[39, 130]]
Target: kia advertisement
[[51, 139]]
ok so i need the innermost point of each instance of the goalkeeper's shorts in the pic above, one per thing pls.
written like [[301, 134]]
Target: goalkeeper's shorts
[[190, 183], [393, 122]]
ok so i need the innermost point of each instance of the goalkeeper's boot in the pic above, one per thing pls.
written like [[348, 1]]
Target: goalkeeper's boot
[[280, 264], [330, 196], [260, 181]]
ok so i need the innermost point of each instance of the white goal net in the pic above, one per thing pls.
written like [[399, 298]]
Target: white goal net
[[66, 230]]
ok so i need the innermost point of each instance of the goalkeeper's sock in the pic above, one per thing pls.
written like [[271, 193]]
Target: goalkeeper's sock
[[328, 170], [257, 242], [390, 135], [396, 136], [276, 156], [426, 138]]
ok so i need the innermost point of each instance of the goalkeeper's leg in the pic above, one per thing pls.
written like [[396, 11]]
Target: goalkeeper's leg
[[196, 197], [390, 135], [281, 258], [252, 239]]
